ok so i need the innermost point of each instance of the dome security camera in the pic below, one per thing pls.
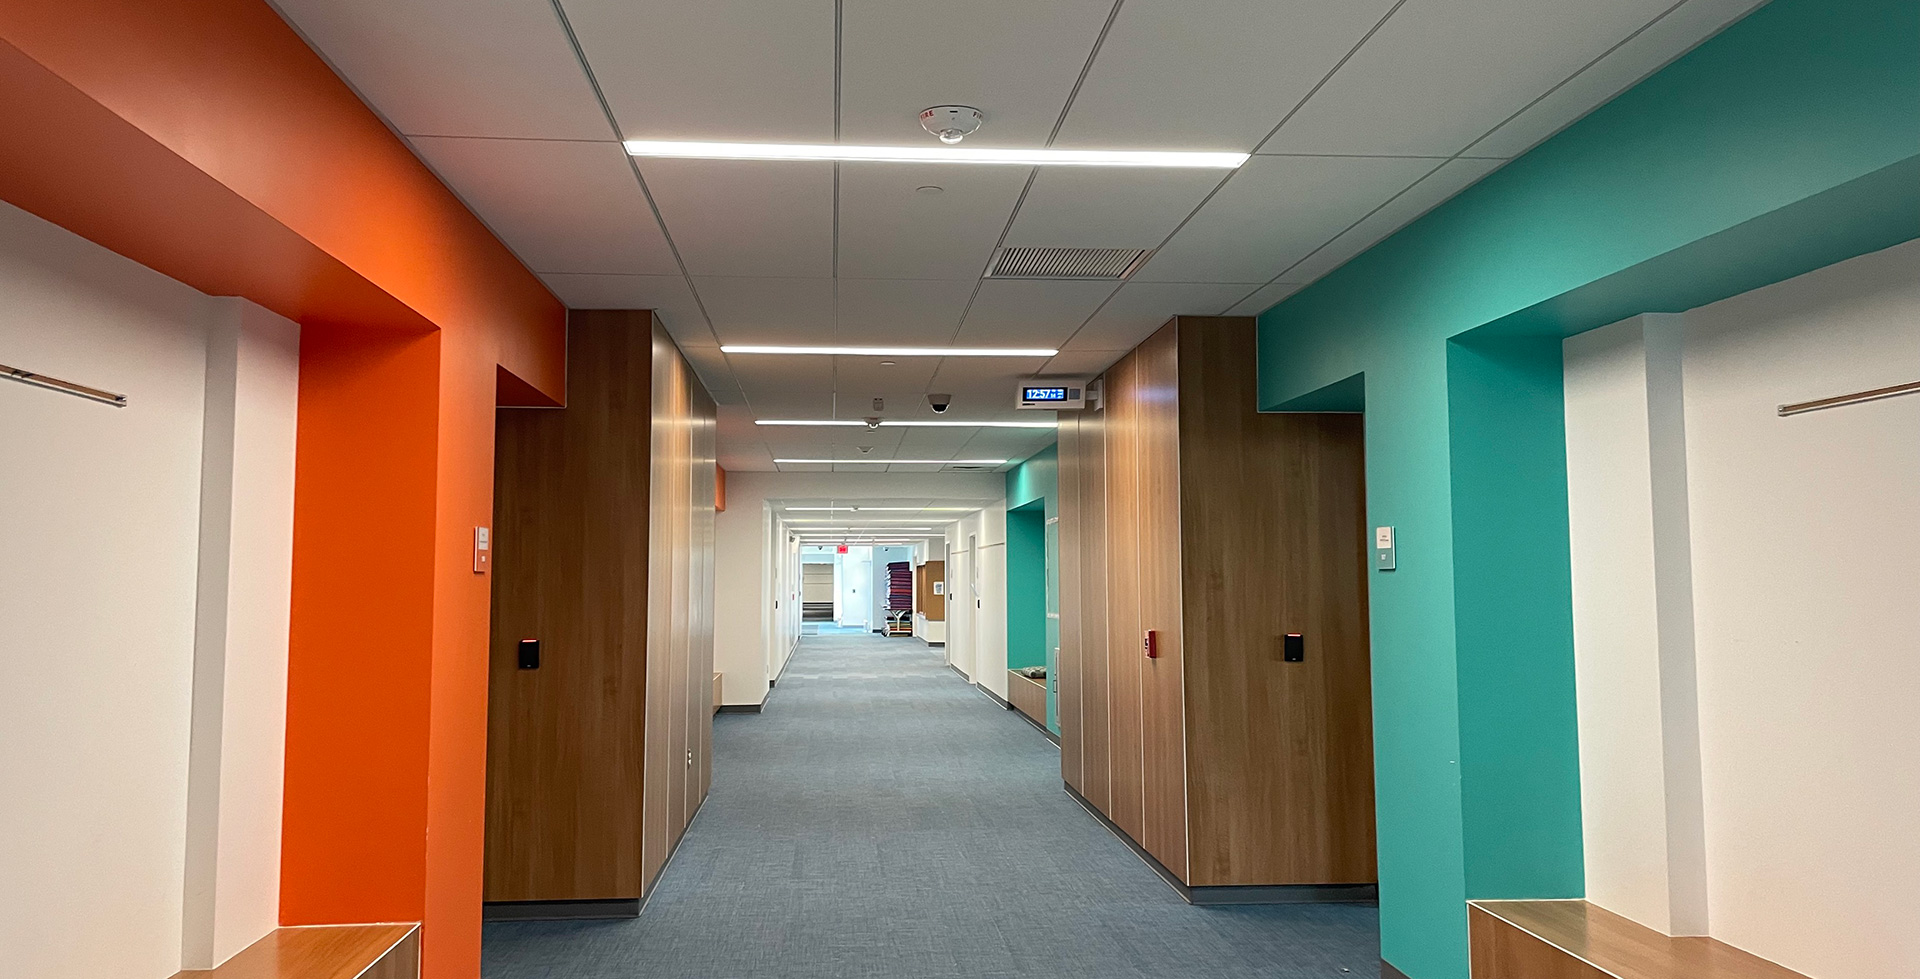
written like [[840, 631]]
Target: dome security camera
[[952, 123], [939, 402], [873, 424]]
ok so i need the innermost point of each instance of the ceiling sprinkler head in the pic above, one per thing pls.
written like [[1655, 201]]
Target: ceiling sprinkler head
[[866, 448], [952, 123]]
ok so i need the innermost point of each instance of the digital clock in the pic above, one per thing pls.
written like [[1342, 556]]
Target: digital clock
[[1052, 394]]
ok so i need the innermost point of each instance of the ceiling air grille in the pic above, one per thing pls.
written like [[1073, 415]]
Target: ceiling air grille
[[1066, 263]]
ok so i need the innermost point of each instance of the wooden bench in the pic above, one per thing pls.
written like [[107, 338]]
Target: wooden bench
[[390, 951], [1576, 940], [1028, 696]]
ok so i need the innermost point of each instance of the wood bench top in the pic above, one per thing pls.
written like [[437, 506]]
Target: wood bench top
[[316, 952], [1623, 948]]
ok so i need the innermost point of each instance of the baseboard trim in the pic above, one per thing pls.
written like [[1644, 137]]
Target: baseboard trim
[[741, 708], [996, 698], [1042, 728], [1387, 971], [559, 910], [1253, 894]]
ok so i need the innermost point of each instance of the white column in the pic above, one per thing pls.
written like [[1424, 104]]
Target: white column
[[236, 763], [1633, 624]]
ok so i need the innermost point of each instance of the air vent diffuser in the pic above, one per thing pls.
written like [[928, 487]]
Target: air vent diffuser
[[1066, 263]]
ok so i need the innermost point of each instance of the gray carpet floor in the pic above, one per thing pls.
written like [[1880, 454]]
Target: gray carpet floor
[[882, 818]]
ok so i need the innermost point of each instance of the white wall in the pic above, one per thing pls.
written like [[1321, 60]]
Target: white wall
[[1802, 602], [977, 582], [1633, 624], [240, 673], [1808, 605], [101, 511], [752, 638], [853, 605]]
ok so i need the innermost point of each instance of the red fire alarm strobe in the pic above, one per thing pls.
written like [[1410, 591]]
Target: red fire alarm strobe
[[842, 549]]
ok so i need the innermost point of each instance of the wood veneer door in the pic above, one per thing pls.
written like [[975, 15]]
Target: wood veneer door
[[1095, 717], [1067, 664], [1280, 755], [1163, 735], [1124, 636], [564, 751]]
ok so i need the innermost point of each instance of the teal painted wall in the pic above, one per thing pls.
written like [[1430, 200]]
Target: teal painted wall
[[1033, 489], [1027, 586], [1788, 142]]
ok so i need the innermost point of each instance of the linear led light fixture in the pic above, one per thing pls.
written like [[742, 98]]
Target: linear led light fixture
[[893, 509], [892, 462], [754, 348], [882, 523], [853, 423], [686, 150]]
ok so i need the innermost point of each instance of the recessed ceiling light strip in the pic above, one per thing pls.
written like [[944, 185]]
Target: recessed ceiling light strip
[[897, 509], [825, 152], [892, 462], [850, 423], [749, 348]]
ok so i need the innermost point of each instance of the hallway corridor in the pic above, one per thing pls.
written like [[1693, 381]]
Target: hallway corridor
[[882, 818]]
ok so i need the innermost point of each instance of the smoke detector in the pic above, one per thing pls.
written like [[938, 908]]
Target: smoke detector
[[952, 123]]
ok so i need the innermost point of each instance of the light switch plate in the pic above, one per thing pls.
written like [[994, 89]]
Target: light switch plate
[[482, 550], [1383, 548]]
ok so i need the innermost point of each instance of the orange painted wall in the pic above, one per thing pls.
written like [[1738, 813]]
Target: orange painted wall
[[203, 139]]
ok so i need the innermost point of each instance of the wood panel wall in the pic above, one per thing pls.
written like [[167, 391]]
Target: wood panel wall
[[934, 607], [1096, 736], [1279, 755], [1126, 798], [603, 550], [1220, 529], [1162, 700], [1067, 677]]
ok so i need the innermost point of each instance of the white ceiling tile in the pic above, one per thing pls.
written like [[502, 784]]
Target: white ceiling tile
[[711, 366], [1083, 363], [471, 68], [1441, 73], [982, 387], [1648, 52], [1432, 191], [747, 217], [894, 311], [1143, 307], [1209, 74], [740, 70], [1275, 211], [1015, 62], [1264, 298], [666, 294], [1030, 313], [786, 386], [768, 310], [890, 230], [561, 206], [1074, 206], [904, 385]]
